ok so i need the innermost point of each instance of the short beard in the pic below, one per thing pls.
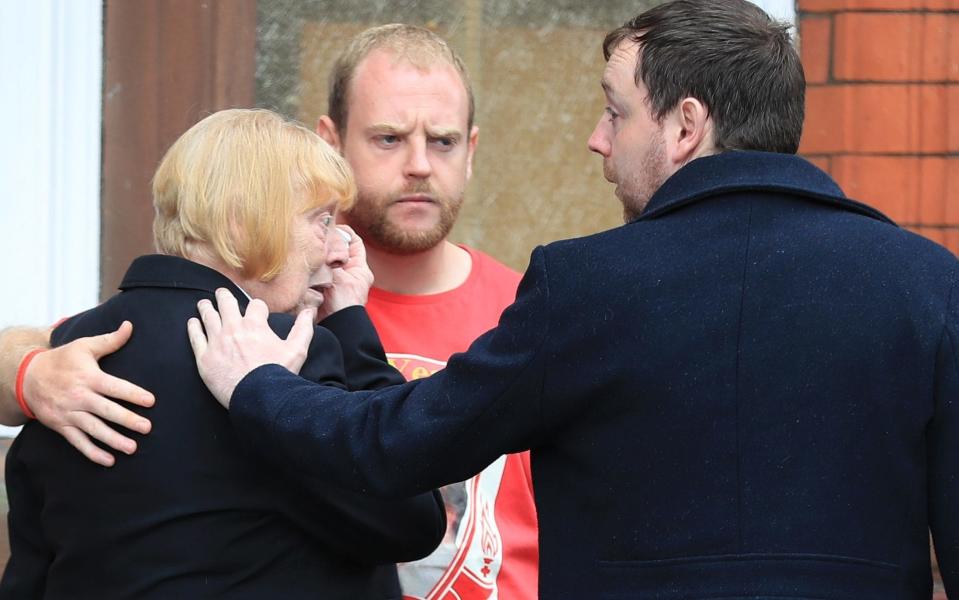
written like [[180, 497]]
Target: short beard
[[652, 175], [368, 217]]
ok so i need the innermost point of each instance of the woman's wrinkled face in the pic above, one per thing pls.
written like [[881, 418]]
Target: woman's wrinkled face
[[315, 250]]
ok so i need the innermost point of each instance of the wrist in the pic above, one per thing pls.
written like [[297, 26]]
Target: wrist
[[21, 378]]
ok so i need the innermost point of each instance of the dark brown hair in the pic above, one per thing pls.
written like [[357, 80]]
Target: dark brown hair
[[729, 55]]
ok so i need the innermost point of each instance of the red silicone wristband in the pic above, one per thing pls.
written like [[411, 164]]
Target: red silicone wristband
[[21, 372]]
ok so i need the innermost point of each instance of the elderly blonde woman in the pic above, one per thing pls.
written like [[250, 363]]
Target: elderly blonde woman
[[244, 200]]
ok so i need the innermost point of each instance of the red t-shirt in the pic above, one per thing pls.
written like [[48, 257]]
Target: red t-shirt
[[490, 550]]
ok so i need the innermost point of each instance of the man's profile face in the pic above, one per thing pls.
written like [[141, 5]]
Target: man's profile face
[[407, 141], [627, 136]]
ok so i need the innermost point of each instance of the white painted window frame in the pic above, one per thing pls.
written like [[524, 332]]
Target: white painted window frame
[[51, 59]]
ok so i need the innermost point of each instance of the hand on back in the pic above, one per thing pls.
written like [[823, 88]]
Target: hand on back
[[69, 393]]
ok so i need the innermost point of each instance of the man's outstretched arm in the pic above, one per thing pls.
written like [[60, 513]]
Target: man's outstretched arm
[[15, 343], [68, 392]]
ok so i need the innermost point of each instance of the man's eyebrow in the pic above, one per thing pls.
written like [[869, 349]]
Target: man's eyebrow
[[387, 128], [444, 132], [607, 88]]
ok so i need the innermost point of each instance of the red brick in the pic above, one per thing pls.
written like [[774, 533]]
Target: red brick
[[815, 44], [877, 46], [833, 5], [937, 50], [933, 179], [950, 198], [951, 118], [883, 118], [896, 47], [825, 111], [934, 118], [887, 183], [952, 53]]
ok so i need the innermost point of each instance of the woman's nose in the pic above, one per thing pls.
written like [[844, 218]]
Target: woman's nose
[[337, 247]]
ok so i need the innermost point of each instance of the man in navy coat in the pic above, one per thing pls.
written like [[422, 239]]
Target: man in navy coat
[[749, 390]]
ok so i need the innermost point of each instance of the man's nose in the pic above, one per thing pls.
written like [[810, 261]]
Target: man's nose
[[598, 140], [417, 160]]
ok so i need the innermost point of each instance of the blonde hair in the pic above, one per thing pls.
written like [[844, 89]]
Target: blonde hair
[[416, 45], [233, 183]]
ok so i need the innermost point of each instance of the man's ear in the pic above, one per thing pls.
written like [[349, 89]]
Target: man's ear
[[689, 132], [470, 150], [327, 130]]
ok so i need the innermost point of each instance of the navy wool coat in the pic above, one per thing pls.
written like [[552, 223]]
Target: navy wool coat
[[194, 514], [751, 391]]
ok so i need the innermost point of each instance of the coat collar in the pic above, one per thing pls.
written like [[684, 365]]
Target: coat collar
[[162, 271], [748, 171]]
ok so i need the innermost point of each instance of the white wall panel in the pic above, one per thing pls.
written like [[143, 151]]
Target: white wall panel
[[51, 61]]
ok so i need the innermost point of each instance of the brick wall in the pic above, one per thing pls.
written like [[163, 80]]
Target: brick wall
[[883, 106]]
